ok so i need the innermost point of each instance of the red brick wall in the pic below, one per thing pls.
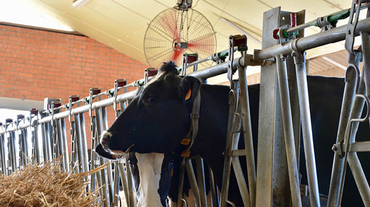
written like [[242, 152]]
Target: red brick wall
[[35, 64]]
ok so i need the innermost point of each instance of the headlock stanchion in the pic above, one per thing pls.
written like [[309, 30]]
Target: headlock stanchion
[[197, 183], [355, 95], [73, 136], [11, 146], [288, 130], [36, 154], [283, 87], [23, 145], [239, 119], [2, 152]]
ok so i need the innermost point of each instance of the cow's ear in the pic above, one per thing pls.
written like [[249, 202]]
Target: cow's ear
[[101, 152], [189, 87]]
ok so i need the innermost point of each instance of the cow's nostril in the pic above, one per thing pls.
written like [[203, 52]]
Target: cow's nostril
[[105, 138]]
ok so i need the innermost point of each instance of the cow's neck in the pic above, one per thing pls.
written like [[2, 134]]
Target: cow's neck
[[150, 170], [210, 142]]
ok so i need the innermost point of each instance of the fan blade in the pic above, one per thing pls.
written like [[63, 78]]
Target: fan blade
[[205, 43], [171, 27], [207, 48], [177, 54]]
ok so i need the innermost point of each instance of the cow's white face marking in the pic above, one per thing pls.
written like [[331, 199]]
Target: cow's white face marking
[[105, 134], [150, 166]]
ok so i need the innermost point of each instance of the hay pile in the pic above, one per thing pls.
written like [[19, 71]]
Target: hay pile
[[46, 185]]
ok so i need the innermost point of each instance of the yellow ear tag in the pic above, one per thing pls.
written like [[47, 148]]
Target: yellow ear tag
[[184, 154], [188, 95], [185, 142]]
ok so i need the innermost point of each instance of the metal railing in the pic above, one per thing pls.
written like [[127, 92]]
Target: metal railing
[[35, 139]]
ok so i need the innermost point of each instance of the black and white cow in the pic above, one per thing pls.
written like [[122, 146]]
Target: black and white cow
[[157, 120]]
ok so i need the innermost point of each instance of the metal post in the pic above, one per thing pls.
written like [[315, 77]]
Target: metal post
[[115, 185], [360, 178], [248, 138], [346, 113], [96, 127], [129, 183], [81, 141], [239, 173], [63, 148], [351, 157], [268, 107], [201, 181], [22, 140], [47, 147], [25, 146], [3, 157], [213, 188], [13, 154], [299, 61], [288, 131], [241, 181], [36, 146], [228, 147], [102, 115], [181, 184], [74, 148], [124, 183], [193, 182]]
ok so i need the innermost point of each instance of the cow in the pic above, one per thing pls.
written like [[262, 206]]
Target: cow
[[158, 120]]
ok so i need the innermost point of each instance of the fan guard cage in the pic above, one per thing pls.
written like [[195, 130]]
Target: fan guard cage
[[166, 40]]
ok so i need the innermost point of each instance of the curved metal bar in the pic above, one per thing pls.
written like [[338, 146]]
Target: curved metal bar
[[185, 202], [231, 203], [367, 109], [357, 71]]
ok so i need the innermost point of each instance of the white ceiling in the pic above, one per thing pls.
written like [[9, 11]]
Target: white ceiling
[[121, 24]]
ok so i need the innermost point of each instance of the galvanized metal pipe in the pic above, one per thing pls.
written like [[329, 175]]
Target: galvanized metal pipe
[[2, 154], [23, 147], [304, 108], [96, 131], [288, 130], [115, 185], [238, 171], [241, 181], [213, 188], [353, 160], [46, 142], [214, 70], [228, 147], [181, 184], [348, 111], [309, 42], [63, 149], [12, 151], [124, 183], [37, 146], [357, 109], [193, 182], [201, 181], [360, 177], [103, 127], [248, 137]]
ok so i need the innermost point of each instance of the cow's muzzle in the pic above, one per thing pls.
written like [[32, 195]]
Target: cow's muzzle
[[104, 140]]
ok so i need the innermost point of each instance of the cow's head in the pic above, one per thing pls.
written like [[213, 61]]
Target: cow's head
[[158, 118]]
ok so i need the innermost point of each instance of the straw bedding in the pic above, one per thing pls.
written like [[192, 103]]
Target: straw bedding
[[46, 185]]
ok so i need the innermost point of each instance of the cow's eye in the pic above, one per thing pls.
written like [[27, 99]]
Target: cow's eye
[[151, 99]]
